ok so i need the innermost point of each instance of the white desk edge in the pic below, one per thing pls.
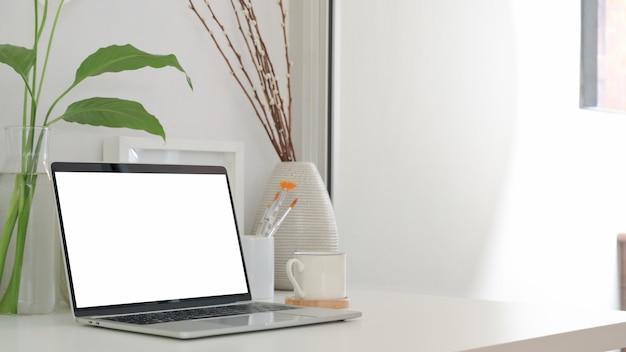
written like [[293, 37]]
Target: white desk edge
[[390, 321]]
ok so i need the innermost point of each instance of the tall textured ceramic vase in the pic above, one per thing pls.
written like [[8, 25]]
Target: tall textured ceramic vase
[[31, 250], [311, 223]]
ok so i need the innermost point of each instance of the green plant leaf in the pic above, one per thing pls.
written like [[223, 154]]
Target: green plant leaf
[[113, 112], [117, 58], [19, 58]]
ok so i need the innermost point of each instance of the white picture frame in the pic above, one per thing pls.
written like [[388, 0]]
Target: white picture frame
[[182, 151]]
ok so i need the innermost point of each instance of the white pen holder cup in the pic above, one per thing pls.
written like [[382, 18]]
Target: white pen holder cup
[[318, 275], [258, 253]]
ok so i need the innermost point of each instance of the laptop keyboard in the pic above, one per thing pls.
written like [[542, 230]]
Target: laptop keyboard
[[199, 313]]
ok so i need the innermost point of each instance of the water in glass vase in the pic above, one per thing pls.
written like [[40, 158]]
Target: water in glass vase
[[38, 284], [29, 245]]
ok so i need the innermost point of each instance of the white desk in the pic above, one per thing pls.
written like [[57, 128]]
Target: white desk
[[391, 322]]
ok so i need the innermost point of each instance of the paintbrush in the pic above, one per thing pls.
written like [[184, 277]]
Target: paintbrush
[[282, 218]]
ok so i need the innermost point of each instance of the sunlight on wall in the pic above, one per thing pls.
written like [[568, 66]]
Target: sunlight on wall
[[464, 160]]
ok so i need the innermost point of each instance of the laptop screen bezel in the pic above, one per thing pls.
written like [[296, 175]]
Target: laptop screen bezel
[[143, 306]]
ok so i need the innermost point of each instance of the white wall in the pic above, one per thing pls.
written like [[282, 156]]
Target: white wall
[[463, 165], [215, 110]]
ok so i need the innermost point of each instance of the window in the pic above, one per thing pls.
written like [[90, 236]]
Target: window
[[603, 80]]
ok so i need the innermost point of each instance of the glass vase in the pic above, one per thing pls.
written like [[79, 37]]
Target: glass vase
[[29, 245]]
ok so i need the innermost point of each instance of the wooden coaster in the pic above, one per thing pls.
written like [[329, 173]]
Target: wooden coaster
[[328, 303]]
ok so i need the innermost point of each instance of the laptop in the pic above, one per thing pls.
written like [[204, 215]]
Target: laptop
[[155, 249]]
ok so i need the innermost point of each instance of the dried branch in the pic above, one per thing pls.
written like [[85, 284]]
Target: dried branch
[[263, 90]]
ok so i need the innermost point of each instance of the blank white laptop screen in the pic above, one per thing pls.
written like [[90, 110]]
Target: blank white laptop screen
[[158, 236]]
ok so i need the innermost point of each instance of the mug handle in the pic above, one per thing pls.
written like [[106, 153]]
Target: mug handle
[[296, 286]]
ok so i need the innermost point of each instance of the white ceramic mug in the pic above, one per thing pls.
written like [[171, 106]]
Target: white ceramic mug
[[318, 275]]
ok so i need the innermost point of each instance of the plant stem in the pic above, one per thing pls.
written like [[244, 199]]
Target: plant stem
[[54, 26], [265, 96], [9, 224], [19, 215]]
